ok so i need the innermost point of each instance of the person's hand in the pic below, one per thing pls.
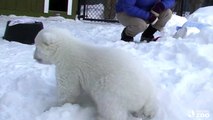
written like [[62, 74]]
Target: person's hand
[[152, 19], [158, 8]]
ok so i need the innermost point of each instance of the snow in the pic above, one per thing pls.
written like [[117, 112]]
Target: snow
[[181, 66]]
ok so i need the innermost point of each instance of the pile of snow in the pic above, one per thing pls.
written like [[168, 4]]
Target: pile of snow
[[202, 15], [182, 69], [200, 21]]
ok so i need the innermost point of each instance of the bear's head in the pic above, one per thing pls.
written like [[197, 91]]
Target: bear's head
[[46, 46]]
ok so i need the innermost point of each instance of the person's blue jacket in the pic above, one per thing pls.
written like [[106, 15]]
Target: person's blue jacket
[[140, 8]]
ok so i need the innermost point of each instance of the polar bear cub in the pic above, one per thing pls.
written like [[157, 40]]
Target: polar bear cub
[[112, 77]]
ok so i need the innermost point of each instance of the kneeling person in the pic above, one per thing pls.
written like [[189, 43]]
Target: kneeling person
[[136, 15]]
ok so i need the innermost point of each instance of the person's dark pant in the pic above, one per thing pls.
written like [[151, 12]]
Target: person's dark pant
[[136, 25]]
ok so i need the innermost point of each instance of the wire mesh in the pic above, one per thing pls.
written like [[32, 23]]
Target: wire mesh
[[97, 10]]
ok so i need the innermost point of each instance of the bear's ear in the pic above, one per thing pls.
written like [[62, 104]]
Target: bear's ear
[[48, 38]]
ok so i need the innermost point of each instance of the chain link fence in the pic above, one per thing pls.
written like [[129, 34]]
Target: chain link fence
[[97, 10], [104, 10]]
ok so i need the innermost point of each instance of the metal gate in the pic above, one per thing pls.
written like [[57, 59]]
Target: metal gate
[[186, 7], [97, 10]]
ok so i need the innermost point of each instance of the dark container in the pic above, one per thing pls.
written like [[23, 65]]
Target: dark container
[[24, 32]]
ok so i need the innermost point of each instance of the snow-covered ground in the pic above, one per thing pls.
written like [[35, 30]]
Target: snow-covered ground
[[182, 68]]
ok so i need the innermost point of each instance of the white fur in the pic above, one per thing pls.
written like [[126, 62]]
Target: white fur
[[112, 77]]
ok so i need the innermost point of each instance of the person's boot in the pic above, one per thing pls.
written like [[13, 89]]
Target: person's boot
[[148, 34], [125, 37]]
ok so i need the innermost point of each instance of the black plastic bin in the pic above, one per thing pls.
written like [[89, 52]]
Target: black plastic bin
[[23, 32]]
